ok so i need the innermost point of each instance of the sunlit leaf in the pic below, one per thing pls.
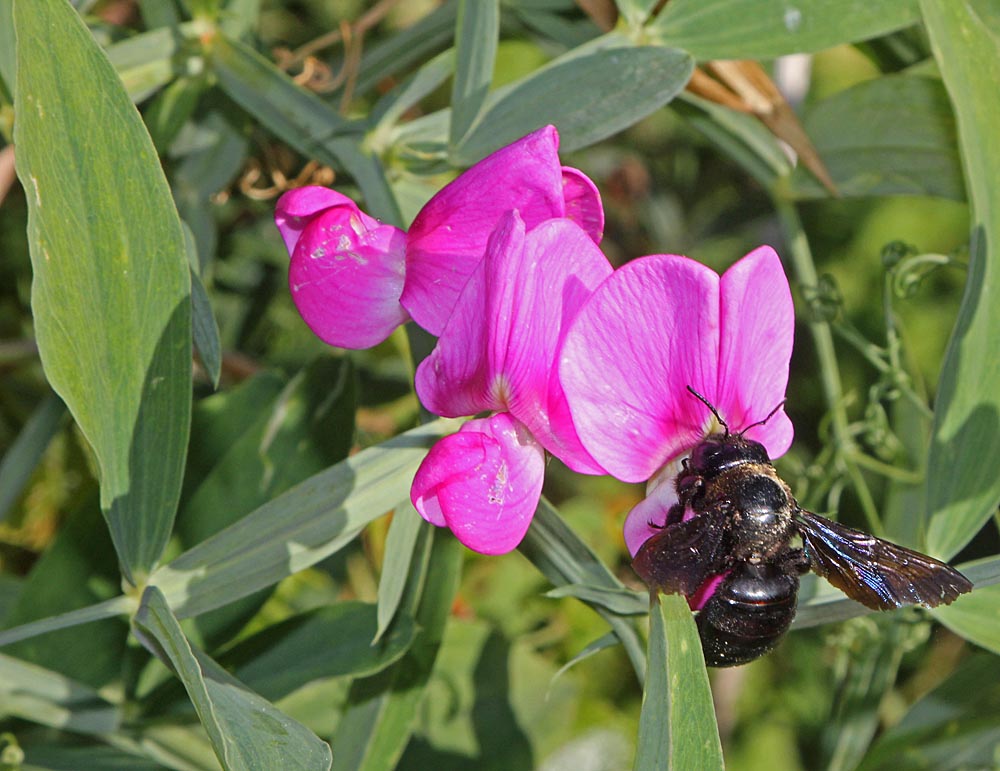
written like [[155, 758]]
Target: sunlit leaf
[[298, 528], [765, 29], [111, 290], [476, 43], [247, 732], [677, 728], [963, 488], [588, 97], [889, 136]]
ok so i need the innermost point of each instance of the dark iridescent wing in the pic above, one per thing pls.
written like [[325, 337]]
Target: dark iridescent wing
[[874, 572], [679, 558]]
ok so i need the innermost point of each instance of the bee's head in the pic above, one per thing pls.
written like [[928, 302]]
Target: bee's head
[[720, 452]]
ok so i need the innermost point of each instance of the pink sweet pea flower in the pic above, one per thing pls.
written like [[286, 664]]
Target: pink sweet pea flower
[[354, 279], [656, 326], [497, 355]]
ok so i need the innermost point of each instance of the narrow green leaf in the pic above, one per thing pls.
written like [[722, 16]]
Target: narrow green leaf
[[952, 728], [889, 136], [476, 36], [677, 728], [116, 606], [23, 455], [765, 29], [298, 528], [8, 66], [42, 696], [398, 53], [963, 488], [975, 616], [301, 119], [50, 756], [205, 330], [382, 709], [111, 289], [247, 732], [390, 108], [623, 602], [76, 570], [563, 558], [609, 640], [328, 642], [400, 544], [588, 97]]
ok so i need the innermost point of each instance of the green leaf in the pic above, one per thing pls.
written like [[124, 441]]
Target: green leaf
[[23, 455], [952, 728], [398, 53], [622, 602], [765, 29], [563, 558], [400, 544], [76, 570], [298, 528], [677, 728], [889, 136], [476, 36], [381, 712], [42, 696], [301, 119], [146, 62], [247, 732], [304, 429], [963, 488], [205, 330], [327, 642], [111, 289], [116, 606], [388, 111], [975, 616], [588, 97]]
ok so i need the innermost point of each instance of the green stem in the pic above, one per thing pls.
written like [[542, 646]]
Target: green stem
[[805, 273]]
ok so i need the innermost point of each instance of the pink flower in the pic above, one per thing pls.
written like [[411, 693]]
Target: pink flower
[[354, 280], [497, 355], [657, 326]]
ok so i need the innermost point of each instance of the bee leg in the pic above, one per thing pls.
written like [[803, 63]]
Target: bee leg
[[796, 560]]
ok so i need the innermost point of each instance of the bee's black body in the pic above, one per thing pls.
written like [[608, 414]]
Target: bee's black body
[[745, 518]]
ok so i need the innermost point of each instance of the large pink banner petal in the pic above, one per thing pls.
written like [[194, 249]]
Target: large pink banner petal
[[484, 483], [448, 236], [758, 326], [649, 331], [540, 290], [346, 277]]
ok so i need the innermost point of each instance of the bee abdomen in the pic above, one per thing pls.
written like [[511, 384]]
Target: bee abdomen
[[748, 614]]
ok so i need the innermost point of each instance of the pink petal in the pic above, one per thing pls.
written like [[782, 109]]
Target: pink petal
[[460, 376], [297, 208], [483, 483], [641, 522], [583, 202], [649, 331], [346, 275], [540, 290], [757, 329], [448, 236]]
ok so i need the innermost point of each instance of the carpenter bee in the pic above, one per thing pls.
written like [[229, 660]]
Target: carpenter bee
[[743, 524]]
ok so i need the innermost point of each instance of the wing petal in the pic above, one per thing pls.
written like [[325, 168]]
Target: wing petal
[[874, 572], [679, 558]]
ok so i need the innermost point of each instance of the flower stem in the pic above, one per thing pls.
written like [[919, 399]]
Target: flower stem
[[804, 270]]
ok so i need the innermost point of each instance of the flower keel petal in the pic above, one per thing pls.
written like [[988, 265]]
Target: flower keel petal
[[484, 483]]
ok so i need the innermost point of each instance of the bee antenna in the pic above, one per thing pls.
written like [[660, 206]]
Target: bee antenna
[[769, 416], [715, 412]]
